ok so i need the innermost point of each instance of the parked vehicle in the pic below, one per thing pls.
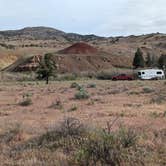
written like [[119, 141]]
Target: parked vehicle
[[151, 74], [122, 77]]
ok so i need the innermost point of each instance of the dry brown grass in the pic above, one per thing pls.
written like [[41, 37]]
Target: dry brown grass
[[129, 101], [73, 143]]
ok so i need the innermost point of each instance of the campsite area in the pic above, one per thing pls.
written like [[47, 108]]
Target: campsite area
[[29, 109]]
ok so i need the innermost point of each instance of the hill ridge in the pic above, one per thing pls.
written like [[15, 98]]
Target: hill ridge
[[45, 33]]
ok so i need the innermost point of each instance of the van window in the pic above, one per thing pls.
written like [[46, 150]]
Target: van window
[[143, 72], [159, 72]]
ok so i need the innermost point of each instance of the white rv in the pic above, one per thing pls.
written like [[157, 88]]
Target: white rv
[[149, 74]]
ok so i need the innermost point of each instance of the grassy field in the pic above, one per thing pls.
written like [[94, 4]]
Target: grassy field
[[55, 124]]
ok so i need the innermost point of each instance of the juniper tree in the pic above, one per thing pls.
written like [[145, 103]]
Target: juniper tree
[[162, 62], [138, 60], [154, 61], [149, 62], [47, 67]]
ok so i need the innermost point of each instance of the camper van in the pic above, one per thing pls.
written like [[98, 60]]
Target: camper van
[[150, 74]]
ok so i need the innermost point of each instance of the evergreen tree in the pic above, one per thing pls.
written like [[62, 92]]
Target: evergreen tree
[[47, 68], [138, 60], [149, 62], [162, 62], [154, 61]]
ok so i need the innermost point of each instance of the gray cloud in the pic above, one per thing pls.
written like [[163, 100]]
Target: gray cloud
[[102, 17]]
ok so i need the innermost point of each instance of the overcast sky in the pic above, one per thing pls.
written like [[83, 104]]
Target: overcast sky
[[100, 17]]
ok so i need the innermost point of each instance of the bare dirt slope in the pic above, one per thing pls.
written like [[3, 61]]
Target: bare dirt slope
[[84, 57], [79, 57]]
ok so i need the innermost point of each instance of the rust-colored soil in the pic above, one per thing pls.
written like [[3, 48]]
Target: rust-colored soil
[[80, 48], [77, 58]]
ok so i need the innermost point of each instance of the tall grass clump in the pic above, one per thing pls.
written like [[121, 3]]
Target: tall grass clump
[[103, 148]]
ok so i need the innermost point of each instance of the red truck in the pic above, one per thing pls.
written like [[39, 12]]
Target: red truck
[[122, 77]]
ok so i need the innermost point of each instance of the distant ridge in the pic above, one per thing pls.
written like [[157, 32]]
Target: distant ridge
[[46, 33]]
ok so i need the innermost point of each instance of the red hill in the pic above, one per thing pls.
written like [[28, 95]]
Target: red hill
[[80, 48]]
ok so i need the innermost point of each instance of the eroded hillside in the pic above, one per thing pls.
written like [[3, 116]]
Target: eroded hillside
[[40, 40]]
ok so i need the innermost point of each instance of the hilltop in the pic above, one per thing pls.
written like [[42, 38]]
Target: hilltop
[[44, 33], [76, 58], [79, 48]]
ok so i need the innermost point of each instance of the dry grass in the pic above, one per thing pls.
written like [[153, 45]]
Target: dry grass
[[129, 101], [73, 143]]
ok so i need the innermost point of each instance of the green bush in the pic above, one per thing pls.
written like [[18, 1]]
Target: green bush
[[68, 132], [82, 94], [148, 90], [102, 148], [80, 87]]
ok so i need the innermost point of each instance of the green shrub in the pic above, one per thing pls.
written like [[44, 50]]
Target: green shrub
[[134, 93], [82, 94], [102, 148], [89, 147], [68, 132], [148, 90], [127, 137], [80, 87]]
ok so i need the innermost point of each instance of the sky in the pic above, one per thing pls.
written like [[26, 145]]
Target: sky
[[100, 17]]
